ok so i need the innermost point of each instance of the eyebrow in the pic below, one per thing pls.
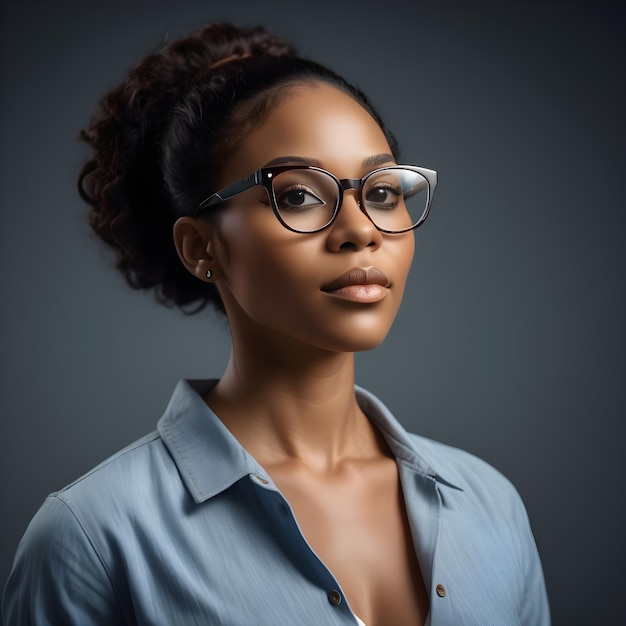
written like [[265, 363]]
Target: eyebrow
[[377, 159], [371, 161]]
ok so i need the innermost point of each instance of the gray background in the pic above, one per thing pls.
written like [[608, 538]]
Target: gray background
[[511, 341]]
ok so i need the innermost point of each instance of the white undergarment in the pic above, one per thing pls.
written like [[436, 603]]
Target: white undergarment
[[360, 622]]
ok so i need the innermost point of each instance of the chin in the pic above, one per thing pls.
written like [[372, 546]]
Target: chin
[[362, 332], [357, 341]]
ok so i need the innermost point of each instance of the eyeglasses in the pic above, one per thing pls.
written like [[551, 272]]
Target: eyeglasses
[[307, 199]]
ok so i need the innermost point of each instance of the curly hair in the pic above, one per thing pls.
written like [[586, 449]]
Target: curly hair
[[159, 138]]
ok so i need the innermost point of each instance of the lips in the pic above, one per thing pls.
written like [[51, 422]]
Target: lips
[[358, 276]]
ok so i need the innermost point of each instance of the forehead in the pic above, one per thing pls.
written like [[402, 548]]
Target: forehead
[[316, 121]]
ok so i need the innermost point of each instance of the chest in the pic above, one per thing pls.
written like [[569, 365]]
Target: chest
[[357, 525], [241, 557]]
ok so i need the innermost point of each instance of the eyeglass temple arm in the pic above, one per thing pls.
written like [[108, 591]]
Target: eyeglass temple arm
[[232, 190]]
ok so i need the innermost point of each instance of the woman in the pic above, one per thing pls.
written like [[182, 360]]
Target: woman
[[228, 171]]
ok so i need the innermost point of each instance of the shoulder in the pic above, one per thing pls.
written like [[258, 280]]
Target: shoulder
[[479, 501], [477, 489], [72, 540], [105, 499], [128, 488], [137, 464]]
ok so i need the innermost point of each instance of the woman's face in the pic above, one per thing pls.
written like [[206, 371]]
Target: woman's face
[[278, 282]]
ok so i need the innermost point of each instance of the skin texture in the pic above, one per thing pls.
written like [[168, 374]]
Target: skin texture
[[288, 391]]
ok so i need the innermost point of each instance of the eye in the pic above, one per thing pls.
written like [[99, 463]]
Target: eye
[[297, 198], [383, 196]]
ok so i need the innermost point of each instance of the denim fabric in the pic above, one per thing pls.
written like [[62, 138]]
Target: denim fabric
[[184, 527]]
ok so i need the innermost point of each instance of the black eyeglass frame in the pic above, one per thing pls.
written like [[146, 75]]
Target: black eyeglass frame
[[264, 177]]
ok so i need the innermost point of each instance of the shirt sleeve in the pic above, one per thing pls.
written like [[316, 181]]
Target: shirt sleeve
[[535, 610], [57, 576]]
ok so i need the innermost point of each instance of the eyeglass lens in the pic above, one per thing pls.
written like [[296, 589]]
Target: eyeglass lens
[[395, 198]]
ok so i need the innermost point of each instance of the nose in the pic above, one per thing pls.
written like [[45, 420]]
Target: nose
[[352, 228]]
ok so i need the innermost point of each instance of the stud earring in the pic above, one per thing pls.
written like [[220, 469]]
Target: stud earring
[[209, 274]]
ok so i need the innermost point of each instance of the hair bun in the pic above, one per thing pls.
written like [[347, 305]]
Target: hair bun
[[123, 181], [222, 43], [232, 57]]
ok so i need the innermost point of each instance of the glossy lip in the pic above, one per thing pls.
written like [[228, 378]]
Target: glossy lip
[[360, 284]]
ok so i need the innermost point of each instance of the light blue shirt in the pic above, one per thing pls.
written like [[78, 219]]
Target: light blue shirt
[[184, 527]]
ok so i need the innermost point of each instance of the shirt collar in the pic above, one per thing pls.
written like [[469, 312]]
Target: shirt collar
[[210, 459], [404, 446]]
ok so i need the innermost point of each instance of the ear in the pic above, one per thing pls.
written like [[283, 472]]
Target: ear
[[195, 244]]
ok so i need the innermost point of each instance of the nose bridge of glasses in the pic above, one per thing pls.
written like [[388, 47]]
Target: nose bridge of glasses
[[348, 184], [351, 183]]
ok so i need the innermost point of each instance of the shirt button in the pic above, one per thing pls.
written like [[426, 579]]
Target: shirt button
[[334, 597], [441, 591], [259, 479]]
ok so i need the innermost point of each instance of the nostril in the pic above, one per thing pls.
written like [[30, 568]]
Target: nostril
[[351, 245], [347, 245]]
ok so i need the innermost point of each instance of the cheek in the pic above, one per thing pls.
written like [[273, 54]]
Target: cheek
[[267, 268], [401, 254]]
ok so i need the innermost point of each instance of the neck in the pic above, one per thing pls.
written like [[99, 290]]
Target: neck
[[288, 401]]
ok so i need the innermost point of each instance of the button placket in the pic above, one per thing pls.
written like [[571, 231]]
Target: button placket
[[280, 512]]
